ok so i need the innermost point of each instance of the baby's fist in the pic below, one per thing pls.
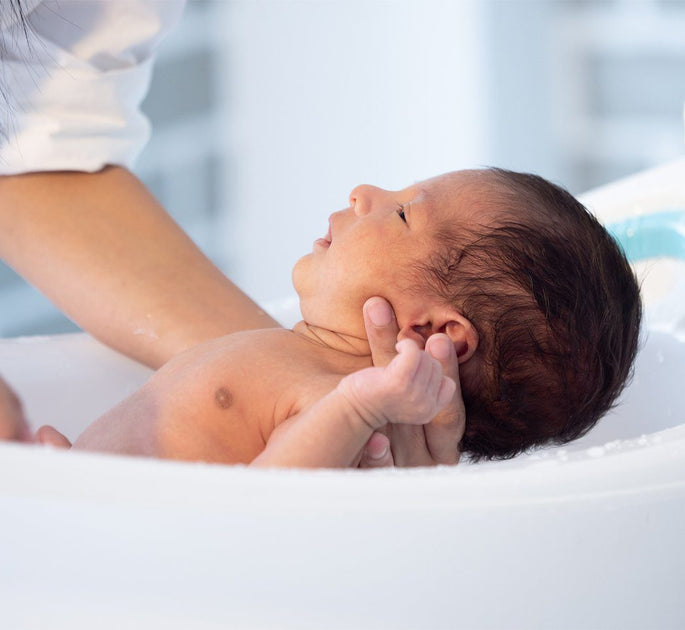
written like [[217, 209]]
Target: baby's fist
[[422, 389], [411, 389]]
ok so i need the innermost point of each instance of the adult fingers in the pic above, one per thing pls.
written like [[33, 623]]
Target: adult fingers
[[446, 390], [13, 425], [381, 330], [377, 453], [445, 431], [409, 445], [438, 441]]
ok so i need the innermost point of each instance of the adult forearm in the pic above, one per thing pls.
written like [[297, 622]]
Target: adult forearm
[[108, 255]]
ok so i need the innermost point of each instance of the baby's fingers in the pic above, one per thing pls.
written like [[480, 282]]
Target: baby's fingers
[[407, 361]]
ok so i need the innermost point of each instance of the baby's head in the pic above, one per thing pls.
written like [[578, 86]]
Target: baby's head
[[539, 300]]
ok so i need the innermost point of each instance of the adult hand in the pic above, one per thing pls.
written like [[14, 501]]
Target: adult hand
[[15, 428], [13, 425], [408, 445]]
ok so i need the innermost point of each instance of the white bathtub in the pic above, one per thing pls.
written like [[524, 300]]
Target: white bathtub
[[584, 536]]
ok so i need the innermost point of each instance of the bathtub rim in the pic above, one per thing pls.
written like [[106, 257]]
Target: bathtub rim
[[637, 472]]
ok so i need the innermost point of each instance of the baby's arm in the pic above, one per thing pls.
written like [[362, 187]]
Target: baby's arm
[[411, 389]]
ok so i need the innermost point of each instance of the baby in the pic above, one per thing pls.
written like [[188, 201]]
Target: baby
[[503, 269]]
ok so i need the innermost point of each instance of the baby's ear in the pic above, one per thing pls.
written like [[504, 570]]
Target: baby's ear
[[464, 336], [460, 330]]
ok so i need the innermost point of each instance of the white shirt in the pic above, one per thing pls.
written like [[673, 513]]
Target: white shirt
[[75, 85]]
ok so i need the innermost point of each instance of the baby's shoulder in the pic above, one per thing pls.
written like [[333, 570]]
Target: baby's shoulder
[[280, 374], [232, 391], [270, 349], [264, 363], [282, 356]]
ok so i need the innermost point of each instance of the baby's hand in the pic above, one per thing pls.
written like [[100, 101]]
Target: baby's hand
[[411, 389]]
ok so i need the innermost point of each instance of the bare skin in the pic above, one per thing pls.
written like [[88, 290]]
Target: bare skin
[[239, 399], [154, 421], [64, 214], [13, 424], [432, 444], [244, 399]]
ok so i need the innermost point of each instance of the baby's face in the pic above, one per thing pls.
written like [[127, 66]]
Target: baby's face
[[373, 246]]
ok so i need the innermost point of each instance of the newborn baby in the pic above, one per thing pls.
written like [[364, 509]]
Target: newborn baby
[[501, 272]]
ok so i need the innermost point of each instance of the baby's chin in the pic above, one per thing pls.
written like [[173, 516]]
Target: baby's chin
[[298, 275], [312, 316]]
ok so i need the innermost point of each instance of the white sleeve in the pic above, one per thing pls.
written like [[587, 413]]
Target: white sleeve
[[75, 80]]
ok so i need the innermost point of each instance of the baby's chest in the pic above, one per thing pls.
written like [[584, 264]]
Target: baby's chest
[[227, 400], [230, 418], [242, 408], [274, 393]]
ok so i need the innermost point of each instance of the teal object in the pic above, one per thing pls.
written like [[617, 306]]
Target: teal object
[[651, 235]]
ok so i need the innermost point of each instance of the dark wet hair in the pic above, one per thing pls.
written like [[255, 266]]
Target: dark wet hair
[[557, 308]]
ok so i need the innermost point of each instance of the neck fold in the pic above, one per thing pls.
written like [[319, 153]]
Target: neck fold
[[333, 340]]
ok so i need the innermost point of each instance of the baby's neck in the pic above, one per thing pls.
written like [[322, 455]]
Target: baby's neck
[[333, 340]]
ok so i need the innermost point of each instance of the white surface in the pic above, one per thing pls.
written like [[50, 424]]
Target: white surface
[[586, 536], [591, 542]]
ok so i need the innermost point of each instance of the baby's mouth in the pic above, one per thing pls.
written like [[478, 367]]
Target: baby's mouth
[[325, 242]]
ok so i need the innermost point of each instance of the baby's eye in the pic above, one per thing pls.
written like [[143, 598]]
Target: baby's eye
[[400, 211]]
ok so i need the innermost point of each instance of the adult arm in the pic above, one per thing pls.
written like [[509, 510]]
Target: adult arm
[[107, 254], [95, 241]]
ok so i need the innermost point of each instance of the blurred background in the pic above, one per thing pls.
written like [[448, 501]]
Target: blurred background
[[266, 113]]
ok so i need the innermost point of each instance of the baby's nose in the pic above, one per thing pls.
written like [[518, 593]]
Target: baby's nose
[[362, 198]]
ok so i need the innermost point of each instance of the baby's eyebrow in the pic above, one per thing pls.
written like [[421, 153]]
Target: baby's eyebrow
[[425, 196]]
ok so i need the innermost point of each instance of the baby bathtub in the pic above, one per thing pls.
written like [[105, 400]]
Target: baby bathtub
[[584, 536]]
